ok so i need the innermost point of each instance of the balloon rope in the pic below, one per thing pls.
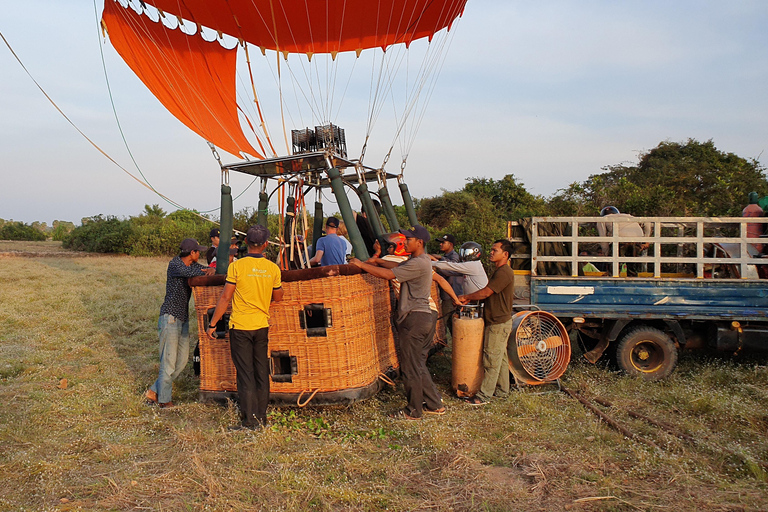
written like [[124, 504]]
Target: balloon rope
[[279, 75], [256, 101], [141, 28], [91, 142]]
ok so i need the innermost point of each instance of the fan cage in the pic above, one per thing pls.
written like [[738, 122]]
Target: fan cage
[[542, 348]]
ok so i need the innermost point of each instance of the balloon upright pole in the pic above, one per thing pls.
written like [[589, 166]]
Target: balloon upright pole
[[317, 225], [370, 209], [346, 213], [225, 228], [261, 215], [389, 210], [408, 202], [290, 220]]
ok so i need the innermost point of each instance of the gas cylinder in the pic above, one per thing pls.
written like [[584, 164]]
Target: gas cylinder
[[467, 356]]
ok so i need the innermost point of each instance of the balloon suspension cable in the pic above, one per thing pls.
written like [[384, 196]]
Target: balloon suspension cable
[[360, 173], [262, 122], [365, 147], [143, 182], [381, 178]]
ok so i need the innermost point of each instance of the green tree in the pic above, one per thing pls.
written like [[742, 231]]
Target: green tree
[[40, 226], [101, 234], [156, 233], [673, 179], [61, 229], [509, 196], [11, 230], [465, 216], [153, 211]]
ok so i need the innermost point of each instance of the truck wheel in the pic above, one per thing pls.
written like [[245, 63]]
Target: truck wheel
[[646, 352]]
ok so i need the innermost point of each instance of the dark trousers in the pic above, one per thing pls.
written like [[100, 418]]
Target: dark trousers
[[249, 354], [446, 312], [416, 333]]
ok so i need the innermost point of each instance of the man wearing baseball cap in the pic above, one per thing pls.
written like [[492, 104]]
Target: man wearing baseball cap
[[330, 249], [253, 282], [173, 324], [415, 323], [447, 244], [210, 254]]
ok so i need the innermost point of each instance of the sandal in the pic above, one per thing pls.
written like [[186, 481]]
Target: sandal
[[150, 397], [438, 412], [402, 414], [476, 400]]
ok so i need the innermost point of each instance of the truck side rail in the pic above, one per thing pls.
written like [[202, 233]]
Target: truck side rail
[[695, 237]]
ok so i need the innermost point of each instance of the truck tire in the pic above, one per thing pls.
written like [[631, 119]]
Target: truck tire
[[646, 352]]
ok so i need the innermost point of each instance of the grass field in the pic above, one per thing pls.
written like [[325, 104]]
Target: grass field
[[91, 444]]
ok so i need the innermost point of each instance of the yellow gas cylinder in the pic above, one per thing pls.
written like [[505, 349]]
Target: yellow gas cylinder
[[467, 355]]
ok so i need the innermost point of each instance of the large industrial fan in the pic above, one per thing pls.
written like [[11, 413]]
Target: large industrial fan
[[539, 348]]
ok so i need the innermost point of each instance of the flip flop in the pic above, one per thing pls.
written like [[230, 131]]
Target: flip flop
[[402, 414]]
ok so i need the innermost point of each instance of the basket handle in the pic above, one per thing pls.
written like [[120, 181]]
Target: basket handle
[[227, 385], [298, 400], [387, 380]]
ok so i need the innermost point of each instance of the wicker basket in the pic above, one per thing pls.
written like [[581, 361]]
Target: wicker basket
[[356, 349]]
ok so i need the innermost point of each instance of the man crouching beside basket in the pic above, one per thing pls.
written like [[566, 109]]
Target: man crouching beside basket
[[252, 283], [415, 322]]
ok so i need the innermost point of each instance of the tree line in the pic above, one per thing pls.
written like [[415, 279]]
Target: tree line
[[689, 178]]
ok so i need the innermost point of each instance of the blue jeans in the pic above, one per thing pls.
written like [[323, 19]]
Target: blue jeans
[[174, 353]]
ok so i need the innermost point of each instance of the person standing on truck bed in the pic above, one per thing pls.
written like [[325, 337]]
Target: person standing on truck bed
[[626, 229], [499, 297], [754, 230]]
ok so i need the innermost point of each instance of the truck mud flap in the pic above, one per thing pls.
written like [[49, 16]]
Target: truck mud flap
[[609, 334]]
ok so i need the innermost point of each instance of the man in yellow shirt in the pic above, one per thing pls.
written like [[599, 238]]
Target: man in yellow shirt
[[252, 283]]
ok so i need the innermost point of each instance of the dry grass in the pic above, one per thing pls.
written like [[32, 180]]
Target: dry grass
[[93, 445]]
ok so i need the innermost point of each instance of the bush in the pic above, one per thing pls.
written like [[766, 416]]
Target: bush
[[152, 233], [100, 234], [61, 229], [465, 216], [155, 235], [20, 231]]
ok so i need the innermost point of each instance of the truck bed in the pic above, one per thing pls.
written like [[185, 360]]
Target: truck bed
[[694, 299]]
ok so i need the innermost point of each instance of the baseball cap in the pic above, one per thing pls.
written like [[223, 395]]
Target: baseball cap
[[257, 235], [419, 232], [332, 222], [214, 232], [190, 244], [447, 238]]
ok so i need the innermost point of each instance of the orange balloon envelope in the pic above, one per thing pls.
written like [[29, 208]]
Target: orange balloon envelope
[[319, 26]]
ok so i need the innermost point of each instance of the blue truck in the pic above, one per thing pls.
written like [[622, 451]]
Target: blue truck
[[687, 282]]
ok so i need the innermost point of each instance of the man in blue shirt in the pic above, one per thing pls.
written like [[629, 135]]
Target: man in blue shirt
[[173, 324], [330, 249]]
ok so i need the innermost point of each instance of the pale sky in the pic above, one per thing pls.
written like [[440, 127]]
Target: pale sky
[[550, 91]]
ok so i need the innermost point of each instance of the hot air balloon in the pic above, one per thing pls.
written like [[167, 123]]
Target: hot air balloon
[[330, 338]]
